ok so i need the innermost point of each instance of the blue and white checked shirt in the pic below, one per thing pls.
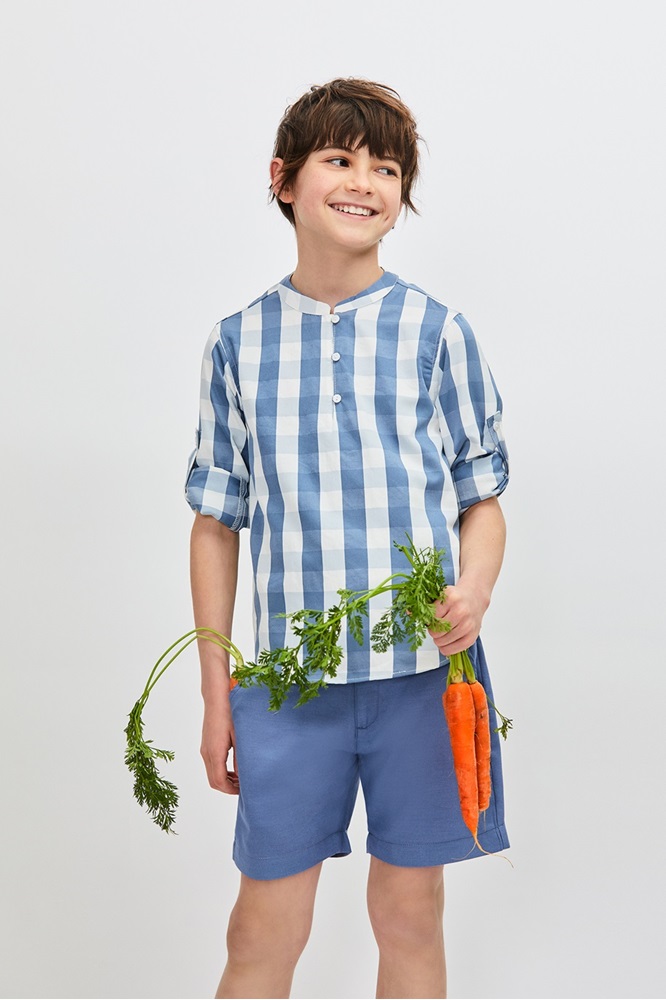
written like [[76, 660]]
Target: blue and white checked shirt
[[333, 434]]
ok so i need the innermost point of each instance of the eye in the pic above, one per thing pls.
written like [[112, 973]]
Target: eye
[[388, 171], [343, 161]]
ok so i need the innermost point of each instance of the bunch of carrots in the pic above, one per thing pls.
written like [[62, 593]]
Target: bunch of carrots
[[466, 710], [410, 616]]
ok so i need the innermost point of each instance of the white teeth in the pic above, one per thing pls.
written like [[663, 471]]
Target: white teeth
[[353, 210]]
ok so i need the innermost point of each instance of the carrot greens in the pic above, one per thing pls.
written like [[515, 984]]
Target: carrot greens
[[159, 796], [318, 651], [313, 659]]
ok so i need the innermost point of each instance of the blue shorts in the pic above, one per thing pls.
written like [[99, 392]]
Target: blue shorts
[[299, 771]]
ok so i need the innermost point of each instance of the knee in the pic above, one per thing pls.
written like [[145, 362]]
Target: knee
[[407, 921], [253, 937]]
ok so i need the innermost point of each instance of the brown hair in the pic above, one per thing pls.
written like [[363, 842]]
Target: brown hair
[[347, 113]]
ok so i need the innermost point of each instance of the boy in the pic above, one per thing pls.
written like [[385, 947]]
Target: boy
[[339, 411]]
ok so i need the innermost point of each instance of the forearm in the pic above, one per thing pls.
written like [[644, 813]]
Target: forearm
[[482, 537], [482, 541], [213, 576]]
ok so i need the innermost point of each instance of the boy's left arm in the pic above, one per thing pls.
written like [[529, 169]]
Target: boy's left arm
[[482, 538]]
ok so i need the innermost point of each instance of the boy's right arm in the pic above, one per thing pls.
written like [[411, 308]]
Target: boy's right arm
[[213, 574]]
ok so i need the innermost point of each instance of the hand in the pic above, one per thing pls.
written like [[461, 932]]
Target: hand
[[217, 741], [463, 608]]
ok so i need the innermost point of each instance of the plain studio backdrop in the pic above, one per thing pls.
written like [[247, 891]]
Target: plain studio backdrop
[[134, 216]]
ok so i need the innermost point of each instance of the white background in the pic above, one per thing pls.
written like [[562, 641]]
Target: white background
[[134, 216]]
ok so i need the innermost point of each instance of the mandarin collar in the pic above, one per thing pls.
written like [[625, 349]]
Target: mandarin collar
[[302, 303]]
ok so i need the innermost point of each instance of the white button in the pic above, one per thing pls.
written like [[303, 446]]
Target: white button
[[335, 356], [337, 397], [335, 318]]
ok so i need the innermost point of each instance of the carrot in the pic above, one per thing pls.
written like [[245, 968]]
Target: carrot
[[481, 744], [461, 718], [466, 711]]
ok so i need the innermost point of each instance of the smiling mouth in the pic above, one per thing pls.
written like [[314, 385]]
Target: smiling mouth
[[357, 210]]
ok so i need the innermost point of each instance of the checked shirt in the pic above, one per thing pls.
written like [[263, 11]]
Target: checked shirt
[[332, 435]]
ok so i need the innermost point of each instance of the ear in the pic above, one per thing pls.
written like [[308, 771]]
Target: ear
[[276, 168]]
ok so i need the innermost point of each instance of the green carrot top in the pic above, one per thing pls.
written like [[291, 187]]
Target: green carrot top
[[312, 660]]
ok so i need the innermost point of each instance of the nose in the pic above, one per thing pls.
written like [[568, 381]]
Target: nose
[[360, 179]]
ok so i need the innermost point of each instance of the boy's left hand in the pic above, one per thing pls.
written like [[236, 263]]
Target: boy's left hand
[[463, 607]]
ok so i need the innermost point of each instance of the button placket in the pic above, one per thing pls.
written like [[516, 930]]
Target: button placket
[[335, 356]]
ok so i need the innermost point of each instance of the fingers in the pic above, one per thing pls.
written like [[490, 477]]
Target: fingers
[[460, 615], [464, 626], [452, 642], [442, 607], [220, 776], [232, 787]]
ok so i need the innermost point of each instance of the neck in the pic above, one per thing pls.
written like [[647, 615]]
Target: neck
[[334, 274]]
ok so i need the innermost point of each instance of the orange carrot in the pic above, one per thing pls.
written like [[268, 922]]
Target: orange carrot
[[461, 719], [481, 744]]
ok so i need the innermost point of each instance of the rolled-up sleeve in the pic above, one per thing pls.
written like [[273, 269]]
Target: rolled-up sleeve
[[470, 413], [218, 473]]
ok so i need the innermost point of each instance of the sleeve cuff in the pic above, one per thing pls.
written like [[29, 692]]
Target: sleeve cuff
[[217, 493], [486, 475], [477, 484]]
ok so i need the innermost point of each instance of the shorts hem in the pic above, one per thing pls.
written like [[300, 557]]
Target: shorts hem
[[429, 855], [263, 869]]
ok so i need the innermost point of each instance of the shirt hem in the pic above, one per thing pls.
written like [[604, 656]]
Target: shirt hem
[[388, 675]]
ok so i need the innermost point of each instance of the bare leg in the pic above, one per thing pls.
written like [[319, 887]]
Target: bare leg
[[406, 907], [268, 929]]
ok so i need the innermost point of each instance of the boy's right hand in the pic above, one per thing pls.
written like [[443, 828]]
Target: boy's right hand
[[217, 742]]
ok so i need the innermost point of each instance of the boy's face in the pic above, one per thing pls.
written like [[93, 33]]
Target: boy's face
[[345, 198]]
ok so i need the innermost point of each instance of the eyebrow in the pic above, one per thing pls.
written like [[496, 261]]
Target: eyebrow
[[348, 149]]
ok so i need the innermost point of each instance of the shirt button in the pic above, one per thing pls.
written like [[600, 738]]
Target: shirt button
[[335, 356], [335, 318], [337, 397]]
